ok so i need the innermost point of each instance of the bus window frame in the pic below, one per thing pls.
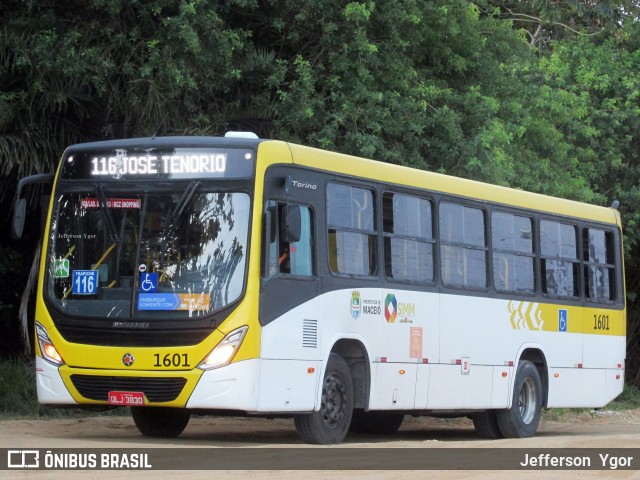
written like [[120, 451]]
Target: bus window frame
[[534, 255], [433, 241], [580, 296], [483, 208], [374, 189]]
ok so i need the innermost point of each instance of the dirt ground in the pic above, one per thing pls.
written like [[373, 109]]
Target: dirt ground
[[594, 430]]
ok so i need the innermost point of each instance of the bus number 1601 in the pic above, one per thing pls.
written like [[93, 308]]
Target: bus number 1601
[[601, 322], [171, 360]]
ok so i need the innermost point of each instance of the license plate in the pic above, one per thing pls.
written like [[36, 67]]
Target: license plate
[[127, 399]]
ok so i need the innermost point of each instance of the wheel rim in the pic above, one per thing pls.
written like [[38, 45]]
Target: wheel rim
[[527, 400], [333, 400]]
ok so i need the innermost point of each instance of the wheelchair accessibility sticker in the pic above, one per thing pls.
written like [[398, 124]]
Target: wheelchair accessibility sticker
[[149, 282], [563, 319]]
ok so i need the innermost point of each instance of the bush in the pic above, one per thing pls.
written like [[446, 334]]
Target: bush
[[18, 397]]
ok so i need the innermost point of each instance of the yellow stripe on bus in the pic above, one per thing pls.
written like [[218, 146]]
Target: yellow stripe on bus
[[546, 317]]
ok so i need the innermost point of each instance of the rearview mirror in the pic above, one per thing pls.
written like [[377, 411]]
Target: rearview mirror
[[19, 216], [292, 225], [20, 210]]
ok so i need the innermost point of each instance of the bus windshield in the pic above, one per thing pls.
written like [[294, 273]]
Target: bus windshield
[[165, 254]]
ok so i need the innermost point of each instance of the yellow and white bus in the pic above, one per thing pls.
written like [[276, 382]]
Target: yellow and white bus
[[245, 276]]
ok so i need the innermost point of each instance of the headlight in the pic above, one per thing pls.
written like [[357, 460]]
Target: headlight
[[47, 348], [225, 350]]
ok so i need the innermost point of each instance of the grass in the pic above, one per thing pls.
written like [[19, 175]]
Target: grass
[[18, 398], [628, 400]]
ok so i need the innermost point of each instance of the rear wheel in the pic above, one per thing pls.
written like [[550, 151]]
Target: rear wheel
[[522, 419], [380, 423], [331, 423], [161, 422], [486, 424]]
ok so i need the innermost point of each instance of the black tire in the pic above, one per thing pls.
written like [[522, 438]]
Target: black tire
[[522, 419], [331, 423], [486, 425], [376, 423], [161, 422]]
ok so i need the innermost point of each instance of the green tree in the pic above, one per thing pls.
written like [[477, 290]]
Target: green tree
[[72, 71]]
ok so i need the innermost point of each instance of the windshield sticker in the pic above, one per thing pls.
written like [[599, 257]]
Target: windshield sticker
[[148, 282], [85, 282], [61, 268], [174, 301], [112, 203]]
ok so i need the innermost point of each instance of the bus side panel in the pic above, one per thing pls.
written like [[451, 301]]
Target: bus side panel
[[288, 385], [477, 329], [605, 348], [583, 387], [450, 388], [394, 386]]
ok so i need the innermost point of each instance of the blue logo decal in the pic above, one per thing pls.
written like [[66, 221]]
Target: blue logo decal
[[563, 320], [158, 301], [85, 282], [148, 282]]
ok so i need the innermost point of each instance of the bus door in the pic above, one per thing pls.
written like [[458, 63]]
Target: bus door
[[290, 285]]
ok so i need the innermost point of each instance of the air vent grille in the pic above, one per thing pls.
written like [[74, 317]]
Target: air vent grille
[[310, 333]]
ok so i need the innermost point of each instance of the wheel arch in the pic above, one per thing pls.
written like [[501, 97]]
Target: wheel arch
[[535, 355], [355, 353]]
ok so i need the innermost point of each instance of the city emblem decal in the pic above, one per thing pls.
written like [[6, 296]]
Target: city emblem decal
[[355, 304], [127, 359]]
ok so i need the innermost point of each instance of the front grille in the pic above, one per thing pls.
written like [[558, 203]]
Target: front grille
[[155, 389], [138, 338]]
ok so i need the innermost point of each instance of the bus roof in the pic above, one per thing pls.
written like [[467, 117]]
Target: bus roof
[[447, 184], [154, 142]]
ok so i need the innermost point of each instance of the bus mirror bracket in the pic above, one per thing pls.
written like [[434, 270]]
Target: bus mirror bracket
[[20, 204]]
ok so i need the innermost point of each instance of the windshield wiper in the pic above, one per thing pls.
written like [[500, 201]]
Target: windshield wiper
[[106, 214], [174, 217]]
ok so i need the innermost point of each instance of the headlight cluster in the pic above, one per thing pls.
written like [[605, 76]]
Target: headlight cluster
[[47, 348], [225, 350]]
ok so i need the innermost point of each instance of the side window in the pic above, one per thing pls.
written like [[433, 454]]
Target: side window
[[352, 232], [463, 248], [599, 265], [408, 238], [513, 254], [291, 258], [559, 256]]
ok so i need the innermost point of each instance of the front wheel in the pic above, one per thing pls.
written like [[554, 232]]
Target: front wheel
[[522, 419], [331, 423], [162, 422]]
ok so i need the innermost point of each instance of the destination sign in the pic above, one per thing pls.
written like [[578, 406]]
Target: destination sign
[[165, 163]]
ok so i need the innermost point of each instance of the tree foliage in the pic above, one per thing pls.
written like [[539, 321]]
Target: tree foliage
[[539, 95]]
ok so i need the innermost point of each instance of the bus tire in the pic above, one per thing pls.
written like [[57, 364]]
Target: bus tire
[[486, 425], [377, 423], [331, 423], [522, 419], [161, 422]]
